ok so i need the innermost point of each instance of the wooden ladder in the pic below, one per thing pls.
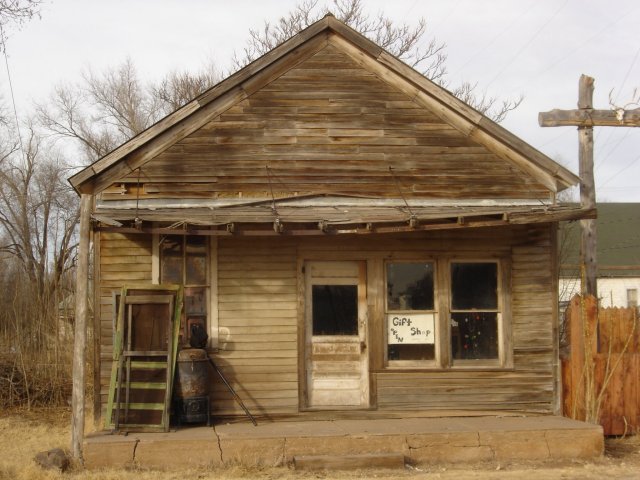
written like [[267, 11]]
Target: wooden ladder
[[144, 356]]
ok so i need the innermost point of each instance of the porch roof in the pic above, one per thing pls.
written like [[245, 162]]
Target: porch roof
[[321, 214]]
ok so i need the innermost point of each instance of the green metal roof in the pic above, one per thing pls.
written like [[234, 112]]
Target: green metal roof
[[618, 241]]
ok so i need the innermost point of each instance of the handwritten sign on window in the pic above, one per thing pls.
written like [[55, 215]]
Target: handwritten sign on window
[[410, 328]]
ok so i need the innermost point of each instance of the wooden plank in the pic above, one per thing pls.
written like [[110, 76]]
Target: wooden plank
[[589, 117], [97, 330], [630, 374], [80, 328]]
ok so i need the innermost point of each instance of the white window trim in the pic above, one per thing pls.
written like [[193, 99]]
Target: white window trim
[[213, 293]]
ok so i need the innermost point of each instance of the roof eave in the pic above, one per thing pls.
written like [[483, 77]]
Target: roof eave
[[463, 117]]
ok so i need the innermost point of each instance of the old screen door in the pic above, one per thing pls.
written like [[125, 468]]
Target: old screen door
[[337, 372]]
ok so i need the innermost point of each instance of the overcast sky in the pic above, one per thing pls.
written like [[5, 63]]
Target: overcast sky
[[537, 48]]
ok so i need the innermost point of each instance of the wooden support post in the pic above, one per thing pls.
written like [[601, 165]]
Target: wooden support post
[[80, 337], [585, 118], [587, 191]]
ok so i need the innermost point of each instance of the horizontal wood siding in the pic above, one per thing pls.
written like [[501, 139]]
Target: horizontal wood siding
[[257, 311], [530, 384], [124, 259], [329, 126]]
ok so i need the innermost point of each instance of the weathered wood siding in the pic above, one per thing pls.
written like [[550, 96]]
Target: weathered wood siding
[[530, 384], [257, 314], [261, 316], [123, 259], [329, 126]]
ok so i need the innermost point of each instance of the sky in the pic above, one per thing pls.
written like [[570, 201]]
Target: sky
[[535, 48]]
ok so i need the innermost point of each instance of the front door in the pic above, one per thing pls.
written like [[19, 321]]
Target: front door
[[337, 370]]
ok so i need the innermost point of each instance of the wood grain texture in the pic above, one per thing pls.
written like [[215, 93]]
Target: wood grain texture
[[122, 259], [258, 333], [329, 125], [259, 288]]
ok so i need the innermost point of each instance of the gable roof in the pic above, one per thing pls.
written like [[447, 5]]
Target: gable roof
[[239, 86]]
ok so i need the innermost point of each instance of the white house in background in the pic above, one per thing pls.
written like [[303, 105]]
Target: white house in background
[[618, 251]]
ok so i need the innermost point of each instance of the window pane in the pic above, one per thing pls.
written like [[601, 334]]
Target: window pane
[[335, 309], [171, 258], [474, 286], [411, 352], [410, 286], [196, 269], [196, 261], [195, 301], [474, 335], [632, 297]]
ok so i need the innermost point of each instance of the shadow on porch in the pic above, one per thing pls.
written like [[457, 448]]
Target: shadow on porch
[[341, 443]]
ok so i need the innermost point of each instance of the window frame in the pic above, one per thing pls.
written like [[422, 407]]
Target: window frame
[[412, 364], [500, 361], [211, 285], [443, 358]]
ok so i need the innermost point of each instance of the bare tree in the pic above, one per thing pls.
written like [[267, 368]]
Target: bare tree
[[102, 111], [407, 42], [105, 109], [38, 213], [18, 11], [38, 218], [180, 87]]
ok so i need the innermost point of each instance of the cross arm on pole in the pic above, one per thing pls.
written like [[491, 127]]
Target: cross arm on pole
[[589, 118]]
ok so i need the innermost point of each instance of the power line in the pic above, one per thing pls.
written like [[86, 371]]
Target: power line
[[554, 139], [445, 18], [409, 9], [627, 75], [599, 163], [491, 42], [526, 45], [13, 99], [615, 100], [606, 28], [619, 171]]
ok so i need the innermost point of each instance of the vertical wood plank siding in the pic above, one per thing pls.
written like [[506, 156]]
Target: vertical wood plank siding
[[123, 259]]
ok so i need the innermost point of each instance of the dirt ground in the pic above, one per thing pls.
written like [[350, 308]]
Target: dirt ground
[[23, 434]]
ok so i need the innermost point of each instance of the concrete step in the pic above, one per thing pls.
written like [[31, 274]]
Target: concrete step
[[348, 462]]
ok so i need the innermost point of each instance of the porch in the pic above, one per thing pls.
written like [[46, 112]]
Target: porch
[[359, 442]]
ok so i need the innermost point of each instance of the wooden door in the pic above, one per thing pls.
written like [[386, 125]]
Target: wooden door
[[337, 369]]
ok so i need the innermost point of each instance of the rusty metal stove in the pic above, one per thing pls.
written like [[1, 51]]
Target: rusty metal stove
[[191, 399]]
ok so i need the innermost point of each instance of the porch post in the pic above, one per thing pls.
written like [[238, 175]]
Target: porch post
[[80, 336]]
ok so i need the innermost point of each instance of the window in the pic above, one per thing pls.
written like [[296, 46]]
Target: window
[[335, 309], [183, 261], [474, 311], [446, 313], [632, 297], [410, 312]]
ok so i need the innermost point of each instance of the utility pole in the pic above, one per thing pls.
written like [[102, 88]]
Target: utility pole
[[585, 118]]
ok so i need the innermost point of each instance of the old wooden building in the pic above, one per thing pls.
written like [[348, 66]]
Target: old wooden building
[[350, 235]]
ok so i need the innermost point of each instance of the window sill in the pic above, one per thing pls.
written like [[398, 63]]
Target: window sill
[[456, 368]]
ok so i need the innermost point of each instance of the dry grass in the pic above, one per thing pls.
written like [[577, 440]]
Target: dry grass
[[25, 433]]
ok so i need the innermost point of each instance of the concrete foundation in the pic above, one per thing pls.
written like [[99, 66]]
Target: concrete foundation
[[419, 440]]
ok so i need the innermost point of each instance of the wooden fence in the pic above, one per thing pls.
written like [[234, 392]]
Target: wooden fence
[[608, 368]]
